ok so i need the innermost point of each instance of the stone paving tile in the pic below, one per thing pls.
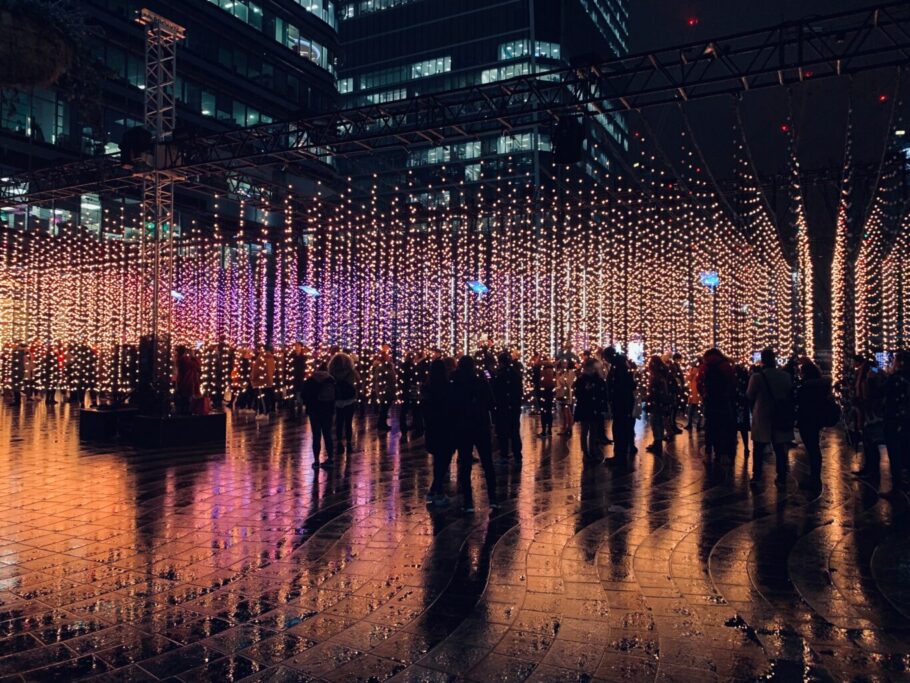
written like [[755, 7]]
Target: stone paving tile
[[248, 565]]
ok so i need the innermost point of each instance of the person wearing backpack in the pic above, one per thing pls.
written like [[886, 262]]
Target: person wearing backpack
[[342, 370], [897, 419], [770, 394], [816, 409], [319, 393]]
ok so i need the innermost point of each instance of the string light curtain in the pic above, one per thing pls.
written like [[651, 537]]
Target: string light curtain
[[879, 229], [842, 308], [896, 290], [773, 284], [803, 277], [653, 263]]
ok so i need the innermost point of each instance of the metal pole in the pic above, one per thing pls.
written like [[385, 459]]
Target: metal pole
[[714, 315]]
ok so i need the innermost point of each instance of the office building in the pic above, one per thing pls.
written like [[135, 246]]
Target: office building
[[396, 49]]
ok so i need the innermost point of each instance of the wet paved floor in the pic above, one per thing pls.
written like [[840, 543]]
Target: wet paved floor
[[222, 566]]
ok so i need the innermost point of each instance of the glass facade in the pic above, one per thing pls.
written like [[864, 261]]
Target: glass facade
[[246, 11], [390, 55], [516, 49], [285, 32], [40, 116], [324, 10], [290, 36], [360, 7], [405, 72], [234, 69]]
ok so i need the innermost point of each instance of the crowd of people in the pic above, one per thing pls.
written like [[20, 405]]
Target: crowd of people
[[475, 403]]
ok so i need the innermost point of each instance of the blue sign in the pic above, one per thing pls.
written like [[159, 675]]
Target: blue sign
[[309, 291], [478, 288], [709, 278], [176, 296]]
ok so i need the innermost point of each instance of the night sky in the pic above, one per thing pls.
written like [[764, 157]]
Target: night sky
[[820, 108]]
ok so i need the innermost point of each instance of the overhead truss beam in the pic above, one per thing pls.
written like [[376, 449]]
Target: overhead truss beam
[[817, 48]]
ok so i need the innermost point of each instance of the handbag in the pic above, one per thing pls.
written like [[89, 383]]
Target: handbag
[[782, 412]]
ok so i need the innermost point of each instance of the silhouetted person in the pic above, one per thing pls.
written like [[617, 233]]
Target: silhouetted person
[[693, 417], [546, 395], [811, 399], [440, 433], [508, 391], [590, 392], [659, 399], [621, 387], [743, 411], [770, 394], [897, 418], [472, 401], [717, 386], [186, 385], [319, 394], [342, 370]]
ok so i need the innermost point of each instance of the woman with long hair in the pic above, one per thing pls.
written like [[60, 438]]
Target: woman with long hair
[[347, 379]]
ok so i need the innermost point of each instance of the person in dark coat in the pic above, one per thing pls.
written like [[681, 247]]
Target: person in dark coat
[[189, 373], [319, 394], [508, 392], [590, 392], [659, 399], [472, 403], [897, 419], [440, 435], [621, 386], [347, 379], [717, 386], [811, 397]]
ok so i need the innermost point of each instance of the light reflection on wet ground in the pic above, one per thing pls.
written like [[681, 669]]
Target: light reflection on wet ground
[[248, 563]]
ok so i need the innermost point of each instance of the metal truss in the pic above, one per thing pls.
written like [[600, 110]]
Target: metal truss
[[814, 48]]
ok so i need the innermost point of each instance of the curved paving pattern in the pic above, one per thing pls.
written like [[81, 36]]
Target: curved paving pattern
[[248, 564]]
